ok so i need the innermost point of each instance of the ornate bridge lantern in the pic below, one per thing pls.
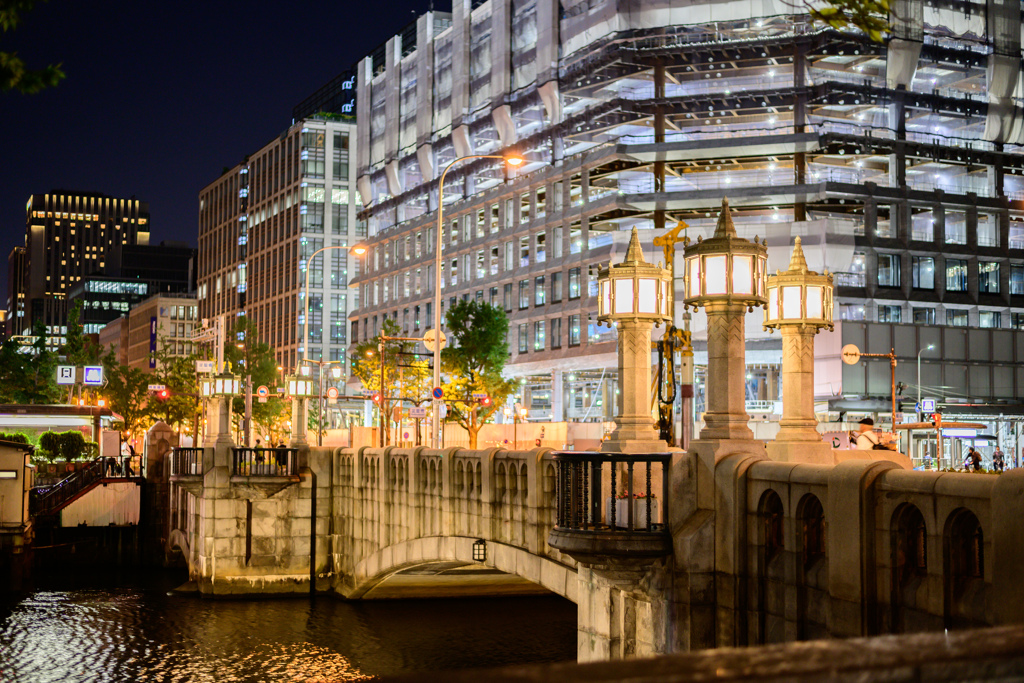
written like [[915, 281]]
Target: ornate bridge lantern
[[218, 390], [725, 274], [634, 295], [301, 388], [799, 305]]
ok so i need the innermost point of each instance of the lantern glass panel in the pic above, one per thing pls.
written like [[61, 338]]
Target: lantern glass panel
[[647, 301], [693, 268], [623, 295], [714, 276], [773, 303], [606, 297], [791, 303], [291, 387], [814, 302], [742, 275]]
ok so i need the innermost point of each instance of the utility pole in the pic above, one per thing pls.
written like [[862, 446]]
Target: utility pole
[[383, 400]]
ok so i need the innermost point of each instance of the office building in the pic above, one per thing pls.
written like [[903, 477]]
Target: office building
[[898, 164]]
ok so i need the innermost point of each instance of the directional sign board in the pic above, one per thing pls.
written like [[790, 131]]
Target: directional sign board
[[93, 375], [156, 387], [927, 405], [417, 413], [65, 374], [477, 396], [438, 392], [204, 366], [850, 354], [429, 336]]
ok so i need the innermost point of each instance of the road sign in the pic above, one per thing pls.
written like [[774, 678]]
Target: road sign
[[428, 339], [396, 413], [156, 387], [93, 375], [438, 393], [417, 413], [479, 395], [204, 366], [443, 409], [368, 392], [850, 354], [927, 405], [262, 399], [65, 374], [332, 392], [262, 391]]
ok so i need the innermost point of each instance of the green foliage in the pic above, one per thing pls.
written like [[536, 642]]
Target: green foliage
[[14, 437], [473, 362], [869, 16], [91, 450], [29, 372], [403, 376], [126, 392], [71, 445], [14, 74], [256, 359]]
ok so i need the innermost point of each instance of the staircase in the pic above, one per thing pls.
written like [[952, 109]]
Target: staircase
[[49, 500]]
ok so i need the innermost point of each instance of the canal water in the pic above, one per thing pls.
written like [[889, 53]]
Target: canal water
[[125, 627]]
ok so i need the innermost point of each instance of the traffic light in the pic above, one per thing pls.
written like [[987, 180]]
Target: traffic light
[[485, 402], [163, 394], [376, 397], [937, 420]]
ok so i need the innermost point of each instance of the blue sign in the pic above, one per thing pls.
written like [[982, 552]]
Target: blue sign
[[927, 405], [93, 375], [438, 393]]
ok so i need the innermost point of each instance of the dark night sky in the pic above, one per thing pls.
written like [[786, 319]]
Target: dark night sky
[[159, 97]]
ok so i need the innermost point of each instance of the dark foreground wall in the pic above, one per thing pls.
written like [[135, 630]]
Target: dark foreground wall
[[994, 654]]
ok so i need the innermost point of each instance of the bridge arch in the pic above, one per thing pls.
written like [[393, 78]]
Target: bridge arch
[[177, 540], [376, 568]]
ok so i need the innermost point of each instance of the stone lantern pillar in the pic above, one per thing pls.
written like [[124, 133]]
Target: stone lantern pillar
[[634, 295], [219, 390], [799, 305], [300, 389], [725, 275]]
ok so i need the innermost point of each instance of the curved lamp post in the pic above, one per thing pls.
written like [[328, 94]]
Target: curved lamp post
[[725, 275], [511, 160], [635, 295], [799, 306]]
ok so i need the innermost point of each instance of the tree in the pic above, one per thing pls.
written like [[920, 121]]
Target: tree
[[14, 74], [473, 362], [29, 372], [255, 359], [126, 392], [404, 377], [178, 374]]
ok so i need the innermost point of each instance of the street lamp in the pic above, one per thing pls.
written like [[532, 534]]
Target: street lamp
[[927, 348], [634, 295], [220, 389], [356, 249], [320, 408], [799, 305], [725, 274], [511, 160], [300, 388]]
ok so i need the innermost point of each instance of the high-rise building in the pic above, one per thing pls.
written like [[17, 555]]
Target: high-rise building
[[15, 291], [262, 222], [69, 236], [898, 164]]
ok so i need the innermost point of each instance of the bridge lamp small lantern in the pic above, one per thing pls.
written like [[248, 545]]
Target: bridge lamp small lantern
[[301, 387], [480, 550], [634, 289], [725, 268], [799, 296], [217, 386]]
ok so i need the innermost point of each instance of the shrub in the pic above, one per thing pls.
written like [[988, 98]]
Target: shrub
[[91, 451], [49, 445], [16, 437], [71, 445]]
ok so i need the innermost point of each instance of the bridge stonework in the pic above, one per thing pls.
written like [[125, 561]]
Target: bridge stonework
[[757, 551]]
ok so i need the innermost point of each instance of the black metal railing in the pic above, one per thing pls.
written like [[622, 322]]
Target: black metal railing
[[186, 462], [631, 502], [265, 462], [44, 501]]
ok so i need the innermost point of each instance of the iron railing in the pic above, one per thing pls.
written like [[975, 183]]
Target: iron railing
[[44, 501], [186, 462], [627, 507], [265, 462]]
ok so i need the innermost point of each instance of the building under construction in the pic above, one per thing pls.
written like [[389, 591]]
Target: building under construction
[[898, 163]]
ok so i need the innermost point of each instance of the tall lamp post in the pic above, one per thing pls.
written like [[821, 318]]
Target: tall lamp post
[[511, 160], [927, 348], [634, 295], [725, 274], [799, 305], [320, 408]]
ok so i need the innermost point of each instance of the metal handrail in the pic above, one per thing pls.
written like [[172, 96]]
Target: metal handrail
[[186, 461], [51, 499], [579, 492], [265, 462]]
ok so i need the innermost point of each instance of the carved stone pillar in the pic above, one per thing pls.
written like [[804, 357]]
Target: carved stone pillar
[[634, 428], [726, 415]]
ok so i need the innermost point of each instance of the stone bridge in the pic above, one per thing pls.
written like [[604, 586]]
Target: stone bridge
[[741, 550]]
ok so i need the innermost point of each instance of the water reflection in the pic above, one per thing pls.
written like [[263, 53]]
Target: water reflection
[[118, 628]]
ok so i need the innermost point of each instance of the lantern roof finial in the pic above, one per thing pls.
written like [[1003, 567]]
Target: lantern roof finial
[[634, 253], [725, 227], [797, 262]]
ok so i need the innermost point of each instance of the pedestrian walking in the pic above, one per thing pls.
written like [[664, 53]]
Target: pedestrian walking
[[998, 461]]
